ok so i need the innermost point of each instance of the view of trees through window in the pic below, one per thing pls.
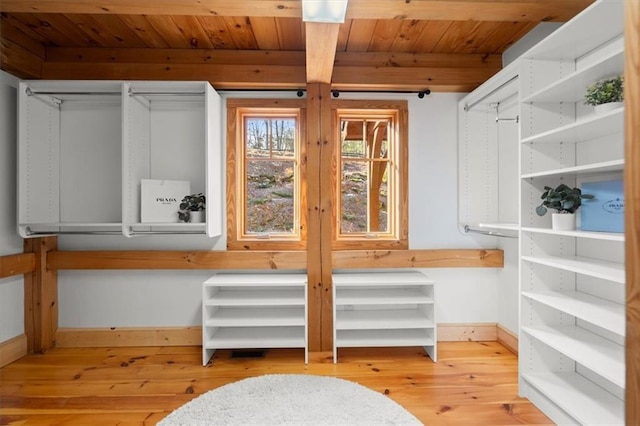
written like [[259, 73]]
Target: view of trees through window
[[270, 164], [364, 195]]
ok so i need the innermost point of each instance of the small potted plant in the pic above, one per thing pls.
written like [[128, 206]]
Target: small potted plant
[[565, 201], [192, 208], [606, 95]]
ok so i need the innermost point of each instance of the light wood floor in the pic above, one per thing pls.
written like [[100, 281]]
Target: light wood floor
[[473, 383]]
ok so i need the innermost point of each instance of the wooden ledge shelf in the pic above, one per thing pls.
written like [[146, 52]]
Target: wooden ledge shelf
[[17, 264], [281, 260]]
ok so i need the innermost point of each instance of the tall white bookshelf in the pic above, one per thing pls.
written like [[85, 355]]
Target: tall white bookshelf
[[571, 354]]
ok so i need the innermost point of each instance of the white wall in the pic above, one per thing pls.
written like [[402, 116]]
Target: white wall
[[172, 298], [11, 289]]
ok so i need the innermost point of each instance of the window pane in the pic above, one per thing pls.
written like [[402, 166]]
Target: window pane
[[351, 138], [379, 197], [270, 137], [270, 196], [354, 197]]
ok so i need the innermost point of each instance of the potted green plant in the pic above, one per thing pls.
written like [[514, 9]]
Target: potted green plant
[[192, 208], [565, 201], [606, 94]]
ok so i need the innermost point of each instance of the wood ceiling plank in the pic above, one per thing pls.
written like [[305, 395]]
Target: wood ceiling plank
[[28, 40], [165, 26], [360, 35], [266, 33], [217, 31], [506, 35], [145, 31], [41, 24], [442, 60], [384, 35], [221, 77], [19, 61], [474, 40], [192, 31], [105, 30], [241, 32], [290, 34], [343, 36], [408, 35], [478, 10], [322, 39], [430, 36], [456, 36], [175, 56]]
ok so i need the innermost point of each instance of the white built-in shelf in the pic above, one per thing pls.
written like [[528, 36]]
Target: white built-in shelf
[[600, 355], [379, 309], [584, 33], [583, 170], [382, 319], [255, 338], [601, 312], [608, 236], [383, 296], [583, 265], [384, 338], [252, 297], [591, 127], [586, 402], [572, 87], [257, 310]]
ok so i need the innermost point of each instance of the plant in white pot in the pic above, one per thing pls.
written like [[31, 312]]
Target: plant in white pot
[[606, 95], [565, 201], [192, 208]]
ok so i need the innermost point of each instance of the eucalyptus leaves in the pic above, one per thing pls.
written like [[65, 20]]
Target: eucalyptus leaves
[[605, 91], [563, 199]]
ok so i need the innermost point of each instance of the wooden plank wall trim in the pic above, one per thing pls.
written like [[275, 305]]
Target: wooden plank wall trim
[[13, 349], [508, 339], [632, 218], [451, 258], [192, 336], [40, 297], [281, 260], [17, 264], [128, 336], [477, 332], [177, 260]]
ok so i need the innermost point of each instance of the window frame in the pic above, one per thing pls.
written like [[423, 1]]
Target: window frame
[[237, 238], [397, 237]]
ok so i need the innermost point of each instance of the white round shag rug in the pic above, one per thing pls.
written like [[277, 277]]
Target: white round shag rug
[[291, 399]]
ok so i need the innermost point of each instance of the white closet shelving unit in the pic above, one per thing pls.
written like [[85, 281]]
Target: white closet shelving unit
[[84, 147], [255, 311], [381, 309], [571, 355], [487, 145]]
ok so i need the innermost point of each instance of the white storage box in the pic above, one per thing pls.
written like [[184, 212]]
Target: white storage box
[[160, 199]]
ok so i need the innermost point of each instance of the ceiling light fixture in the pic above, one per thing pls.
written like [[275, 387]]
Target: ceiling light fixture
[[329, 11]]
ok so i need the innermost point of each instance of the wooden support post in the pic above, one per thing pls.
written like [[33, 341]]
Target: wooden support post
[[632, 219], [40, 297], [319, 234]]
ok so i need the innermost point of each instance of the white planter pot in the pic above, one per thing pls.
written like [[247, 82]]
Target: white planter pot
[[563, 221], [602, 108], [196, 217]]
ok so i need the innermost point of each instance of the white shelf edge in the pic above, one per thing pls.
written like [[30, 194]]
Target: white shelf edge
[[597, 268], [579, 397], [598, 354], [608, 236], [603, 313], [603, 167]]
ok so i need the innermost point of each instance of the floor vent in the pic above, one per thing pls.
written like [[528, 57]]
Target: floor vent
[[248, 354]]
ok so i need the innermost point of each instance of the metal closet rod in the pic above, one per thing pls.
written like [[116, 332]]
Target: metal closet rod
[[467, 107], [114, 232], [468, 229], [31, 92]]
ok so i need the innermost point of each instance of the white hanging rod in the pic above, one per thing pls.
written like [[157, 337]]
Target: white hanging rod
[[134, 93], [467, 107], [508, 120], [468, 229], [31, 92]]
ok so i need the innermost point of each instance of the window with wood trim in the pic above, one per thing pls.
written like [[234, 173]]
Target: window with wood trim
[[370, 200], [264, 176]]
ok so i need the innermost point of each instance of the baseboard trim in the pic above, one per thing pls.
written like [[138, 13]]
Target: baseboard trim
[[128, 336], [13, 349], [508, 339], [192, 336], [474, 332]]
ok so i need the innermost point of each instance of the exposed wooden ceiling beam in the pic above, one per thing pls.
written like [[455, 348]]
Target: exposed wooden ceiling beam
[[321, 42], [460, 10]]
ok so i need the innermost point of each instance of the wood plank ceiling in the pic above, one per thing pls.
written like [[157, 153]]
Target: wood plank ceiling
[[401, 45]]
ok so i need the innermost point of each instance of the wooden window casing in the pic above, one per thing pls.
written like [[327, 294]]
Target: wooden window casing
[[238, 110]]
